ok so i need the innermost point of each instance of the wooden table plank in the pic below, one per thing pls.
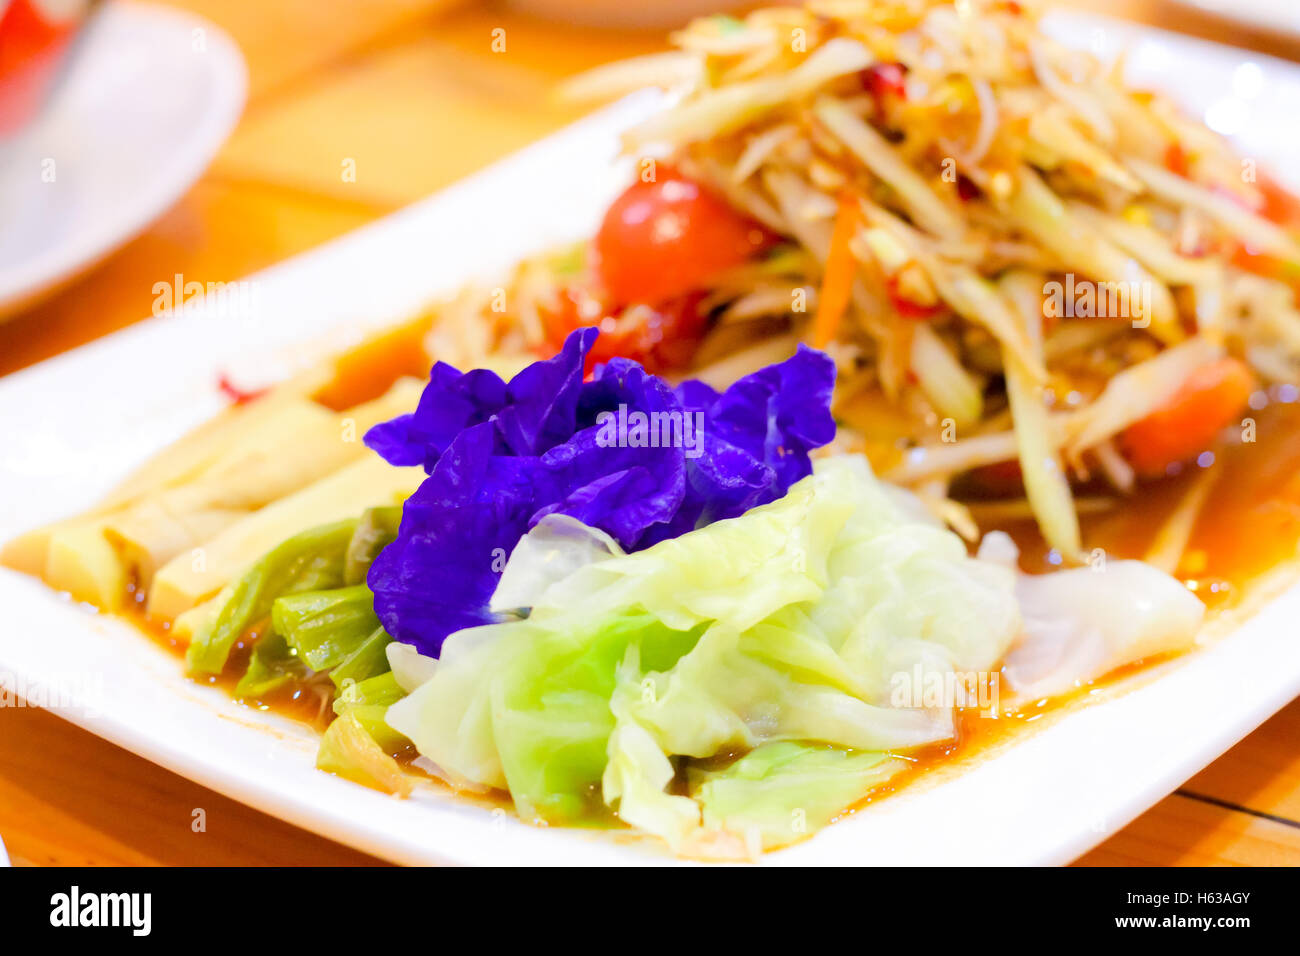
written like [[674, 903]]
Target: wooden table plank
[[1262, 773], [68, 798], [1182, 831], [288, 40], [401, 117]]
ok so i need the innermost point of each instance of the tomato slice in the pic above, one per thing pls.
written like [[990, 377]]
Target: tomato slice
[[1284, 209], [662, 239], [1188, 423], [661, 338]]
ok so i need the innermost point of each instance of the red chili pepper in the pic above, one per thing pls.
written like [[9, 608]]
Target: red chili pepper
[[882, 80], [966, 188], [909, 309], [236, 394]]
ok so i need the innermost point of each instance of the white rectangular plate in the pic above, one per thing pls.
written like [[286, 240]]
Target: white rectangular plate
[[74, 425]]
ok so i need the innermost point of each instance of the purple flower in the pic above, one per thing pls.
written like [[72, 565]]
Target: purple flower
[[622, 452]]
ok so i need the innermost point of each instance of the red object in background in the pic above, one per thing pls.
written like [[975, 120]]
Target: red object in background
[[1284, 209], [239, 396], [34, 38], [660, 240]]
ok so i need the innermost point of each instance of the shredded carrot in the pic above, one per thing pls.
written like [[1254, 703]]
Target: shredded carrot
[[841, 266]]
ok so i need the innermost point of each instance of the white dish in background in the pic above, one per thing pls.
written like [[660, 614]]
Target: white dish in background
[[1273, 16], [150, 95], [76, 424], [4, 857]]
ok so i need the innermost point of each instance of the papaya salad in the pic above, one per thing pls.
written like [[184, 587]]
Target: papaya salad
[[907, 382]]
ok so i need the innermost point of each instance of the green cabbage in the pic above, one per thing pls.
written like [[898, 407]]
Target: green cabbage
[[778, 792], [788, 623]]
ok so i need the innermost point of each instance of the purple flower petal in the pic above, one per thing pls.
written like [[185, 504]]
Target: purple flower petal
[[623, 452]]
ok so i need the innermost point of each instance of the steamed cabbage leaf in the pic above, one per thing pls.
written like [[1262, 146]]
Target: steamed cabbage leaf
[[787, 623]]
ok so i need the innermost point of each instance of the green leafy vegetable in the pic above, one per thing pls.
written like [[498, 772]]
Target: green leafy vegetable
[[274, 665], [375, 531], [790, 622], [779, 792], [308, 561], [325, 627], [368, 660], [347, 749], [367, 702]]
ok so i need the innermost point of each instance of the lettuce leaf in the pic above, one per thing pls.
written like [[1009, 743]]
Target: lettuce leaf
[[310, 560], [325, 627]]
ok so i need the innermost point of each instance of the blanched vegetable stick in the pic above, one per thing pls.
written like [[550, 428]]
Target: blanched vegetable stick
[[1046, 484], [256, 472], [148, 534], [80, 561], [179, 462], [347, 750], [307, 561], [198, 449], [28, 552], [192, 576], [1040, 212]]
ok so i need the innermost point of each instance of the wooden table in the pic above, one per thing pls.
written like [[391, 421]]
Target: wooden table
[[412, 91]]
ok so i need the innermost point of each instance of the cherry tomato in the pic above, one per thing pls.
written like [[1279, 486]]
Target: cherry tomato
[[662, 239], [660, 337]]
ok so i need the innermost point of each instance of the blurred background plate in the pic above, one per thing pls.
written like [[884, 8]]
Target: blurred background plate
[[1272, 16], [150, 95]]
